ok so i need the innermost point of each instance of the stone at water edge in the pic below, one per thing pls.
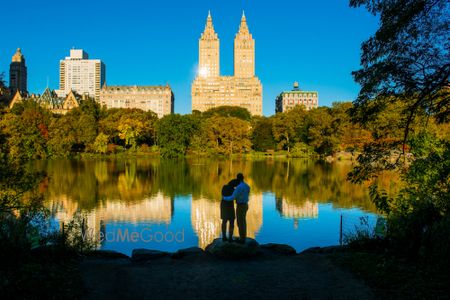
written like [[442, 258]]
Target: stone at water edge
[[146, 254], [106, 254], [188, 252], [235, 250], [279, 248]]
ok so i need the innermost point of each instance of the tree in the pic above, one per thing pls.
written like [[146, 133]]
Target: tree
[[109, 120], [321, 131], [262, 135], [407, 61], [229, 111], [288, 128], [61, 136], [404, 87], [26, 128], [228, 135], [101, 143], [174, 134], [130, 130], [4, 91], [352, 136]]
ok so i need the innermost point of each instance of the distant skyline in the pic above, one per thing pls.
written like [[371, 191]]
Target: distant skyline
[[316, 43]]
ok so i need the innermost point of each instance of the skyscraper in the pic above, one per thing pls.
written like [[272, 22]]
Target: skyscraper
[[209, 51], [244, 89], [244, 52], [18, 73], [80, 74]]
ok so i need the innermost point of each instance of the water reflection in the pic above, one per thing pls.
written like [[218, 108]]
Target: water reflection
[[186, 194]]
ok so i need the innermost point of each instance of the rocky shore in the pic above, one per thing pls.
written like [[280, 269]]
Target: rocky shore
[[222, 271]]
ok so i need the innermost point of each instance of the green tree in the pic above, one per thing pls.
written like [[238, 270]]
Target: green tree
[[288, 128], [4, 91], [130, 130], [262, 135], [61, 136], [174, 133], [26, 128], [228, 135], [229, 111], [101, 143], [406, 61], [352, 136], [321, 131], [405, 68]]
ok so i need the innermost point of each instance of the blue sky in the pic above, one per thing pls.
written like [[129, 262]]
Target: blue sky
[[146, 42]]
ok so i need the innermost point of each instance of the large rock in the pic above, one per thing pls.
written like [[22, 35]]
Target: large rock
[[146, 254], [279, 248], [221, 249], [325, 250], [108, 254], [192, 251]]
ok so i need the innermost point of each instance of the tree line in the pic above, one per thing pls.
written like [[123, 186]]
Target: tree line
[[33, 132]]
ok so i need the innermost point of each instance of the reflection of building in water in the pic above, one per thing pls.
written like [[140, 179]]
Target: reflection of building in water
[[301, 210], [205, 218], [158, 209]]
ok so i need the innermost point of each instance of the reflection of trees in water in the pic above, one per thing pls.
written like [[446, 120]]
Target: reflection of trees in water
[[93, 182], [296, 181], [140, 190]]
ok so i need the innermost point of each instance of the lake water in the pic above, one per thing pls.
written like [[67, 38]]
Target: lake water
[[173, 204]]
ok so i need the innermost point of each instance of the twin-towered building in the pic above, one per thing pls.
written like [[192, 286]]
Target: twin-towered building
[[210, 89], [86, 77]]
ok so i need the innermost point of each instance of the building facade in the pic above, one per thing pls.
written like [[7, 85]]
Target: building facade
[[159, 99], [18, 73], [51, 101], [288, 100], [244, 89], [80, 74]]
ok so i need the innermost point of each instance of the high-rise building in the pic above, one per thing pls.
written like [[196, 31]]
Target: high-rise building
[[18, 73], [159, 99], [244, 52], [80, 74], [244, 89], [289, 99]]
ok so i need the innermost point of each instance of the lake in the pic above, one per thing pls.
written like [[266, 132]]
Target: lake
[[173, 204]]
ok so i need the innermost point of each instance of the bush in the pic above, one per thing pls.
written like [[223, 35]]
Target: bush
[[302, 150]]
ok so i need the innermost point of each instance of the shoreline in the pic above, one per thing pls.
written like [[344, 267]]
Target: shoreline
[[274, 272]]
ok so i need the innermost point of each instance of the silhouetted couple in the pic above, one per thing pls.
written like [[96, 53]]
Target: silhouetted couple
[[237, 190]]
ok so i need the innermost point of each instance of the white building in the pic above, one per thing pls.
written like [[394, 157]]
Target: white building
[[289, 99], [159, 99], [81, 74]]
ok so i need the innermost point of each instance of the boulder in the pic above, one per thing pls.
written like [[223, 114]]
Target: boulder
[[325, 250], [108, 254], [192, 251], [146, 254], [221, 249], [279, 248], [311, 250]]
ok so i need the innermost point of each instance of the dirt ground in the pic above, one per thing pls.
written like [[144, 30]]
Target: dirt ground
[[302, 276]]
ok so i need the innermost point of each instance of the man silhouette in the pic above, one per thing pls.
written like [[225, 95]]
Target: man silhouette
[[241, 194]]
